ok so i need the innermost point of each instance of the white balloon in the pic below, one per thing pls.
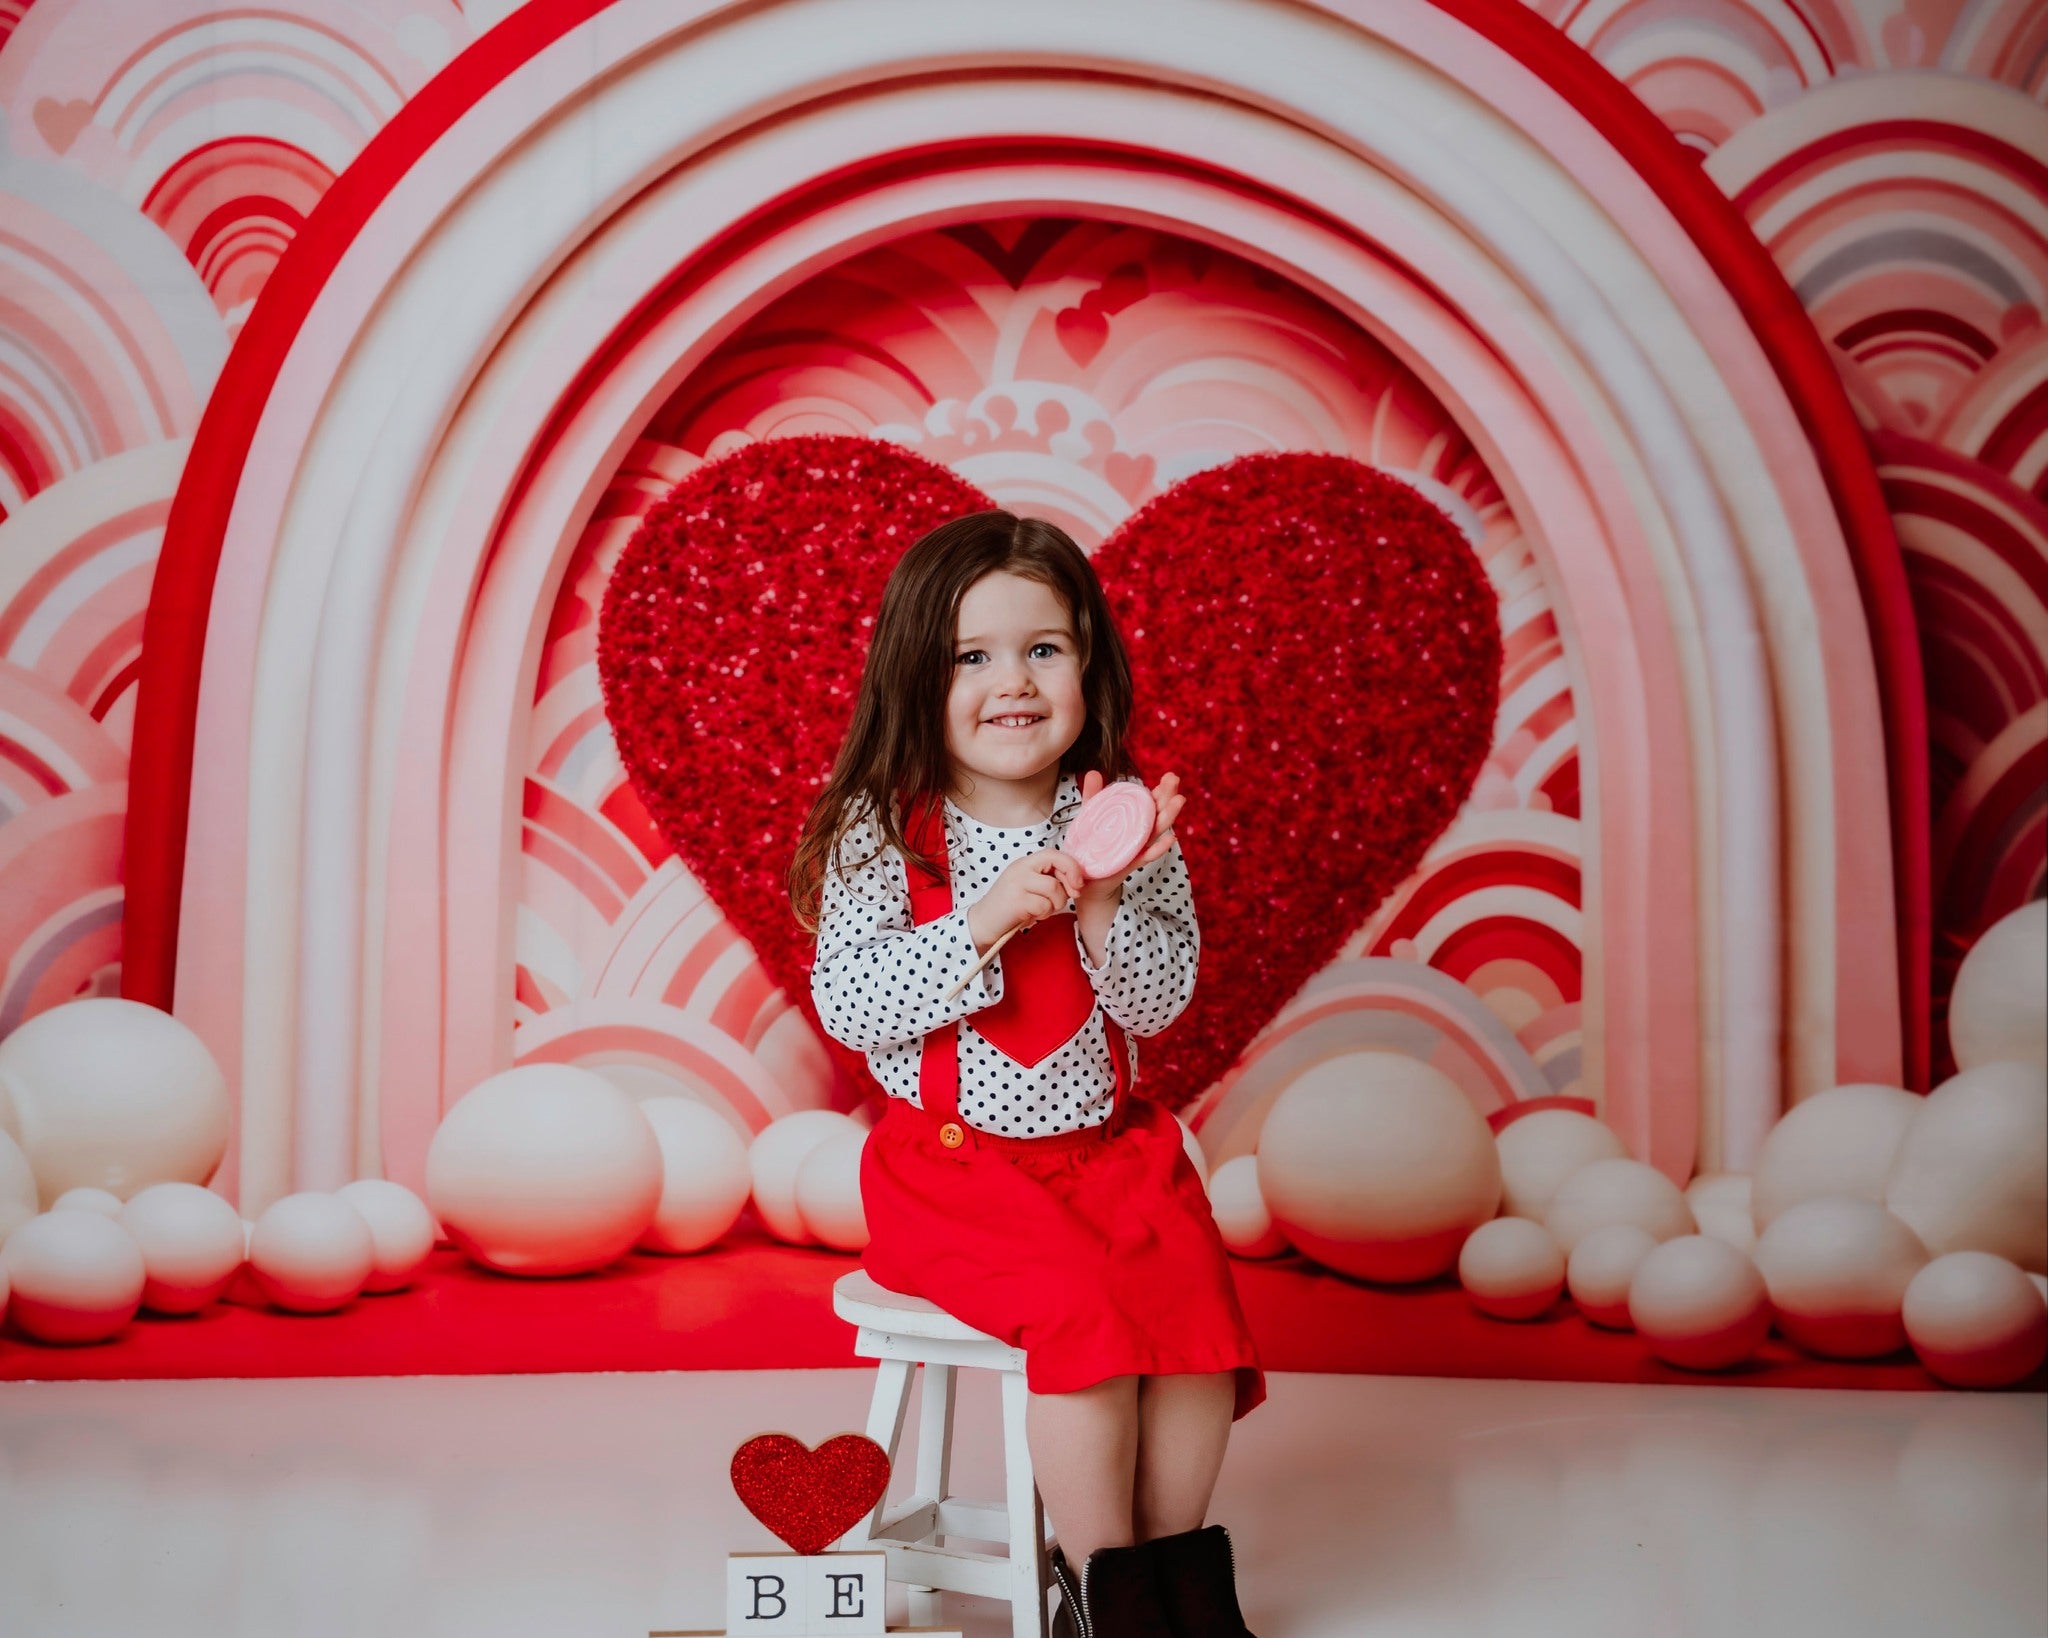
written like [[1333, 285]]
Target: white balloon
[[1240, 1210], [18, 1196], [544, 1169], [311, 1253], [1998, 1009], [1720, 1205], [115, 1095], [705, 1178], [773, 1157], [1700, 1304], [75, 1276], [1971, 1173], [402, 1231], [191, 1242], [1539, 1150], [1616, 1191], [1976, 1320], [99, 1200], [1377, 1165], [1837, 1270], [1511, 1268], [1600, 1269], [1193, 1146], [1841, 1141], [828, 1192]]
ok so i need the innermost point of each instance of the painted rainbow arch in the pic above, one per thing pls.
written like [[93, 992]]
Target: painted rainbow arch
[[464, 341]]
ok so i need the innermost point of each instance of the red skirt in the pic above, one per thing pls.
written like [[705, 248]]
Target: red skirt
[[1095, 1251]]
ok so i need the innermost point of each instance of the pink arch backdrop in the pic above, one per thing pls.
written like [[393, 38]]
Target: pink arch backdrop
[[379, 845]]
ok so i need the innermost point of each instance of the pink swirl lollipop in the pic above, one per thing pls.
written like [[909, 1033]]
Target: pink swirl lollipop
[[1113, 827]]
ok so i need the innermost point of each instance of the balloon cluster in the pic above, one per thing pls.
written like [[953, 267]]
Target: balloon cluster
[[1875, 1219], [115, 1115]]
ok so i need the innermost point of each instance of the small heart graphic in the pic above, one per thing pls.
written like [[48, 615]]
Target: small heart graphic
[[1314, 647], [60, 122], [810, 1498], [1082, 331]]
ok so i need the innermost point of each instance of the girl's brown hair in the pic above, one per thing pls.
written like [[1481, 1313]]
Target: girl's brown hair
[[894, 753]]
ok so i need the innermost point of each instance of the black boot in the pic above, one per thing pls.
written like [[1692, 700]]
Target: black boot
[[1197, 1578], [1115, 1595]]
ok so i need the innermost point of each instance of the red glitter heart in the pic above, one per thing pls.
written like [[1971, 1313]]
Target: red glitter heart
[[1315, 648], [810, 1498]]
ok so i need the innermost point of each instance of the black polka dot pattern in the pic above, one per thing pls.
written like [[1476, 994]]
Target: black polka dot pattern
[[878, 979]]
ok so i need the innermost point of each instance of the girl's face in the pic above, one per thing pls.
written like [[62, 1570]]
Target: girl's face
[[1016, 703]]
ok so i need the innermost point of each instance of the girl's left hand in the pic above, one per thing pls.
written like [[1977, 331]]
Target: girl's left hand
[[1167, 798]]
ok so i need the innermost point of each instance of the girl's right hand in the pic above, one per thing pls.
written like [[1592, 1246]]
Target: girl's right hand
[[1030, 889]]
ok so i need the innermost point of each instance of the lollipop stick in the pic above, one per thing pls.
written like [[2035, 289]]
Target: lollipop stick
[[987, 957]]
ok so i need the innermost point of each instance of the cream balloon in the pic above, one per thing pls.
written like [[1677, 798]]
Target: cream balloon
[[1971, 1173], [191, 1242], [402, 1231], [2040, 1283], [1720, 1205], [116, 1095], [1837, 1271], [773, 1158], [705, 1179], [1511, 1268], [311, 1253], [1240, 1210], [1699, 1304], [1600, 1269], [18, 1195], [1976, 1320], [99, 1200], [1841, 1141], [1377, 1165], [75, 1276], [1998, 1008], [1616, 1191], [828, 1192], [1539, 1150], [544, 1169]]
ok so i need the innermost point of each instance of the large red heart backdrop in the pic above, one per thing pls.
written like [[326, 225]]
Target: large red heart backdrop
[[810, 1498], [1315, 649]]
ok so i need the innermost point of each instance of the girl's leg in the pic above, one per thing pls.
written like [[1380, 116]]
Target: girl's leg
[[1183, 1426], [1084, 1448]]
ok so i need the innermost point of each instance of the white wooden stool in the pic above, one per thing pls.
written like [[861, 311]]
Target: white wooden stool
[[904, 1333]]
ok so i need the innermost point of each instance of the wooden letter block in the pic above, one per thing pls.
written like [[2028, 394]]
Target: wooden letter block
[[800, 1595]]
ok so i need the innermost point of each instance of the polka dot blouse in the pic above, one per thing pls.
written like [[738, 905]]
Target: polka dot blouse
[[879, 980]]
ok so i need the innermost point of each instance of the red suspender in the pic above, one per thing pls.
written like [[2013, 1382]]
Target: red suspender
[[931, 896]]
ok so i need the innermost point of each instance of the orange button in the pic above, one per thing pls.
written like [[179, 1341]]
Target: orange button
[[951, 1135]]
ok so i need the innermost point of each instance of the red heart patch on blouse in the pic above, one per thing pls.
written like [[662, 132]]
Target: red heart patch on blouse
[[810, 1498], [1315, 650]]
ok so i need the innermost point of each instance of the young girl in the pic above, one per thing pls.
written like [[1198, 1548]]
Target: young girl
[[1017, 1180]]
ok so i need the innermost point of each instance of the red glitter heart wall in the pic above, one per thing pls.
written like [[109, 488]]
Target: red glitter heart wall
[[1314, 647]]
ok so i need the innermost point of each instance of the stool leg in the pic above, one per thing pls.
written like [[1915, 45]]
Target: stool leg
[[886, 1412], [934, 1470], [1027, 1517]]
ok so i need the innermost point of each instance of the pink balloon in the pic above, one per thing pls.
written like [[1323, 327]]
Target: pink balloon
[[1113, 827]]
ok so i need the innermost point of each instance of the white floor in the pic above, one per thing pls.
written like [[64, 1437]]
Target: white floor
[[562, 1506]]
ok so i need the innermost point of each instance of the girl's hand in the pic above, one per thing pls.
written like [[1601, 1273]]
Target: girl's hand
[[1029, 889], [1167, 798]]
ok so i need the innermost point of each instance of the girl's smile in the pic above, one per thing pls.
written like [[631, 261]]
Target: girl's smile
[[1016, 703]]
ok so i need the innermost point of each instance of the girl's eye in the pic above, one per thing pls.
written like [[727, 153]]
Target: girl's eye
[[962, 659]]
